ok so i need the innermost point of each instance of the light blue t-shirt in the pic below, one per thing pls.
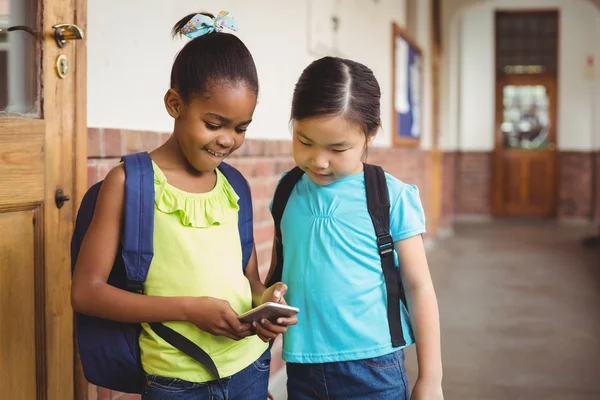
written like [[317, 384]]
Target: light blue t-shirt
[[333, 269]]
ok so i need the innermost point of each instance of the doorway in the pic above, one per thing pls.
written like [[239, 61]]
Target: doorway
[[42, 178], [525, 177]]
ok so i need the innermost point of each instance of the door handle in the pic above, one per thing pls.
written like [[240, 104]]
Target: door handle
[[60, 198], [65, 32]]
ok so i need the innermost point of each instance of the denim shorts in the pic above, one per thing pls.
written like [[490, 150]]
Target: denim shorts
[[381, 378], [249, 384]]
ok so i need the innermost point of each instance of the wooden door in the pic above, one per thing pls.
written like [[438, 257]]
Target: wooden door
[[42, 149], [525, 156]]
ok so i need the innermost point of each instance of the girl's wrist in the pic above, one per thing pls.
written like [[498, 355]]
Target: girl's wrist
[[186, 306], [432, 376]]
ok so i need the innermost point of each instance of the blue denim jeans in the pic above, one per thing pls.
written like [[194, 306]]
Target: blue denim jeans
[[249, 384], [380, 378]]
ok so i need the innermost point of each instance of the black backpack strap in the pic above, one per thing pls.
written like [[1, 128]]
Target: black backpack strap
[[378, 203], [282, 194], [187, 347]]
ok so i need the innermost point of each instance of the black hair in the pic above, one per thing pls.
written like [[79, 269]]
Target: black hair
[[335, 86], [210, 60]]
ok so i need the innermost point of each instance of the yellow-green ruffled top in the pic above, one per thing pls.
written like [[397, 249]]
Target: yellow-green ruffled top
[[197, 252]]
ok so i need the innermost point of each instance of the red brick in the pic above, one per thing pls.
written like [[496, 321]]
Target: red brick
[[94, 142], [125, 396], [575, 184], [277, 362], [92, 392], [105, 166], [597, 187], [473, 183], [263, 188], [255, 148], [262, 213], [104, 394], [136, 141], [92, 174], [263, 233], [448, 185], [265, 252], [112, 143]]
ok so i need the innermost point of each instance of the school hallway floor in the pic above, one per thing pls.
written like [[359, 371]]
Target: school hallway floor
[[520, 312]]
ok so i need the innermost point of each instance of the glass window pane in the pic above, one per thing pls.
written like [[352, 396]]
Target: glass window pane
[[19, 64], [526, 118]]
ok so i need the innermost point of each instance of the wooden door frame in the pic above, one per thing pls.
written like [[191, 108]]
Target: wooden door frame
[[501, 79], [64, 382], [61, 375], [551, 82], [80, 384], [435, 164]]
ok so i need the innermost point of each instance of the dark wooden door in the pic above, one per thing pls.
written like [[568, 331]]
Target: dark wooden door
[[525, 155]]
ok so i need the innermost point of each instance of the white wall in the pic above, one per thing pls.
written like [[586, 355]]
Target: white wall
[[473, 88], [130, 53]]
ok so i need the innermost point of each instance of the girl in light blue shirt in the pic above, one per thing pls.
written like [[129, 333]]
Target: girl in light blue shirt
[[341, 347]]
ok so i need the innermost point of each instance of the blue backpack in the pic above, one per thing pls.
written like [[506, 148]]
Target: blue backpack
[[109, 350]]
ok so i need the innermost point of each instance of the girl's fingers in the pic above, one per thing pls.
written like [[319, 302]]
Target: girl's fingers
[[287, 321], [278, 329], [263, 332]]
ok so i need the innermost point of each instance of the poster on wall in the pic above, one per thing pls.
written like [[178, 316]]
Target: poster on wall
[[407, 81]]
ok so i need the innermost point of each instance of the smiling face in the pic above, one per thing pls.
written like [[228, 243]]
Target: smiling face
[[210, 127], [328, 148]]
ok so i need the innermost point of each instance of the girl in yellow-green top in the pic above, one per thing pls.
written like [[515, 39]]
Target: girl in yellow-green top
[[195, 284]]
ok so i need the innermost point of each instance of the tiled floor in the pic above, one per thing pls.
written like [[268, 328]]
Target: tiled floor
[[520, 312]]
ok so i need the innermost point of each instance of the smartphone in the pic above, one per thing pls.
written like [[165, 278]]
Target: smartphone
[[270, 311]]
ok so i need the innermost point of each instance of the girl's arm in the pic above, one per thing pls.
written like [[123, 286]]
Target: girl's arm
[[92, 295], [252, 274], [424, 313], [260, 294]]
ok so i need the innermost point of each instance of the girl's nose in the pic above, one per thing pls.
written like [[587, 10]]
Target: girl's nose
[[225, 140], [320, 161]]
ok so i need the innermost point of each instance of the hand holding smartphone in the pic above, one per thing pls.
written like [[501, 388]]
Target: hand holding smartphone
[[269, 311]]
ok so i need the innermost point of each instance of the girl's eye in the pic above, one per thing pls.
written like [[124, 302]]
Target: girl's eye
[[212, 127], [241, 130], [339, 151], [305, 144]]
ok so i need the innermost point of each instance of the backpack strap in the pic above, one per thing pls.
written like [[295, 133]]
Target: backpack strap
[[187, 347], [138, 249], [245, 219], [378, 203], [138, 222], [282, 195]]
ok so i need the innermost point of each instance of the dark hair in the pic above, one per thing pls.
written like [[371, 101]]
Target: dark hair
[[209, 60], [335, 86]]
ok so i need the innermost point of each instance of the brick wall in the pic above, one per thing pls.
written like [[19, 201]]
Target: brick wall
[[473, 183], [262, 163], [596, 187], [448, 190], [575, 184], [473, 180]]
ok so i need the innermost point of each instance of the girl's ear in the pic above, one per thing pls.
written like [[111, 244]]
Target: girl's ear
[[370, 140], [173, 103]]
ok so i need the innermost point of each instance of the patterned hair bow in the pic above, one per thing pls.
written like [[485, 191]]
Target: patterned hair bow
[[201, 24]]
